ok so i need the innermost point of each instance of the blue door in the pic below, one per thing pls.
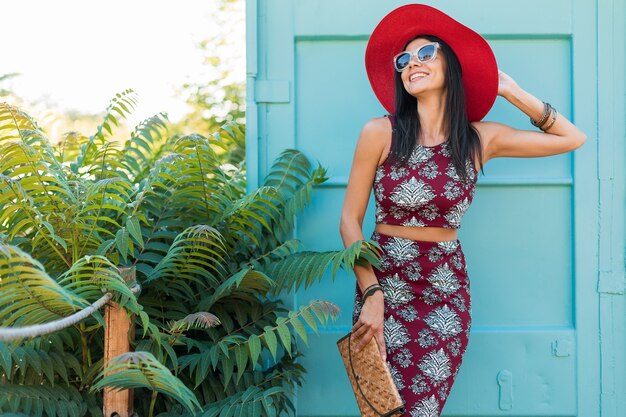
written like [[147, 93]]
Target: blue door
[[544, 237]]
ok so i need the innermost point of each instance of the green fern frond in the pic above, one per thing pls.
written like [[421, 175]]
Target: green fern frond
[[322, 310], [304, 268], [276, 253], [286, 373], [91, 276], [201, 320], [42, 362], [14, 122], [42, 400], [233, 132], [147, 144], [28, 155], [194, 254], [142, 370], [198, 146], [244, 285], [30, 189], [231, 138], [28, 295], [104, 162], [68, 146], [254, 401], [119, 108], [247, 218], [289, 170], [241, 351], [200, 181], [298, 200], [291, 175], [137, 205]]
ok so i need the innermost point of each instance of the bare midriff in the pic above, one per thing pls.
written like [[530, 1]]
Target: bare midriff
[[432, 234]]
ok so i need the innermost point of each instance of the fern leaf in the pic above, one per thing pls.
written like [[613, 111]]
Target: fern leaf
[[146, 144], [119, 107], [304, 268], [270, 337], [90, 276], [201, 320], [245, 285], [25, 219], [291, 175], [34, 400], [195, 253], [254, 401], [15, 123], [27, 294], [142, 370]]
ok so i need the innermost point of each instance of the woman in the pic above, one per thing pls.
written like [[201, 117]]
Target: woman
[[438, 79]]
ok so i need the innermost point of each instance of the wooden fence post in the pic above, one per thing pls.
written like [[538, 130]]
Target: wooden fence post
[[120, 329]]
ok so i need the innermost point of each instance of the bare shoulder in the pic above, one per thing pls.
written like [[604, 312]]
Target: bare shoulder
[[376, 130], [375, 138]]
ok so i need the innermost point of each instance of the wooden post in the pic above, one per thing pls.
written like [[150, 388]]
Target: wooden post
[[120, 329]]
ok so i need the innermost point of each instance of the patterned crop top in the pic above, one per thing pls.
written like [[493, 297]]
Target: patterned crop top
[[427, 191]]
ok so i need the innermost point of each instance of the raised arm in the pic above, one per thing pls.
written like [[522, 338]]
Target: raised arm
[[500, 140], [368, 152]]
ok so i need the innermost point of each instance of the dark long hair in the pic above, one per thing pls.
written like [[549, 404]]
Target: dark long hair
[[463, 137]]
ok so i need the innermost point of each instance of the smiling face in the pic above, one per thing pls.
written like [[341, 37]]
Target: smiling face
[[419, 78]]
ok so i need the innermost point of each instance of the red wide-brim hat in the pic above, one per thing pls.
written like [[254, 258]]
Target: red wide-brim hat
[[478, 63]]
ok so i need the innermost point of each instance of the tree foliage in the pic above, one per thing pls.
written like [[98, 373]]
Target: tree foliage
[[213, 335]]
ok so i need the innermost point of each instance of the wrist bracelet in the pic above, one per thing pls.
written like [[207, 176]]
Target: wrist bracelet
[[554, 113], [370, 292], [373, 285], [544, 116]]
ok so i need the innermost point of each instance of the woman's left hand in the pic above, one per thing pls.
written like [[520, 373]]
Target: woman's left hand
[[505, 84]]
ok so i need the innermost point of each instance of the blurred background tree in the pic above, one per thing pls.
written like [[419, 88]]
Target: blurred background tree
[[50, 115], [212, 97], [220, 95]]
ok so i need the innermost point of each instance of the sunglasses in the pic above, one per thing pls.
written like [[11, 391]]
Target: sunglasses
[[424, 54]]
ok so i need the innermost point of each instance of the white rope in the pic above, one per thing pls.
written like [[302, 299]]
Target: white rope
[[16, 333], [9, 333]]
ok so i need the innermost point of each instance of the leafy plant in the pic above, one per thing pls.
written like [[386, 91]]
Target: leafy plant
[[213, 335]]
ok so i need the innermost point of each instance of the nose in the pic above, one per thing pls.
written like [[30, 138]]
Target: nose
[[414, 61]]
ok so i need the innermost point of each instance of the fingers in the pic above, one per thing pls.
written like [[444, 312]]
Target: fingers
[[359, 330], [364, 332], [361, 340]]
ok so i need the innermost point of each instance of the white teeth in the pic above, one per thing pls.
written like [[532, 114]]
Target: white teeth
[[417, 75]]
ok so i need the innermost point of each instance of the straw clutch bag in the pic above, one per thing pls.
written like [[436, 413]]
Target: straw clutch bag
[[375, 391]]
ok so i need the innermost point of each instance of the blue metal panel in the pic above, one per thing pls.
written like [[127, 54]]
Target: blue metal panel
[[544, 238]]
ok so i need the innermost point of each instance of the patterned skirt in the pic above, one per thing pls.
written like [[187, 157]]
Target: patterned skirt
[[427, 317]]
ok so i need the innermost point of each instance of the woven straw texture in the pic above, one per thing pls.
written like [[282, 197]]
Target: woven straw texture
[[371, 380]]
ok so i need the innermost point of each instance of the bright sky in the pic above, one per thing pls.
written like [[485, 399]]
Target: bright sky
[[79, 54]]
